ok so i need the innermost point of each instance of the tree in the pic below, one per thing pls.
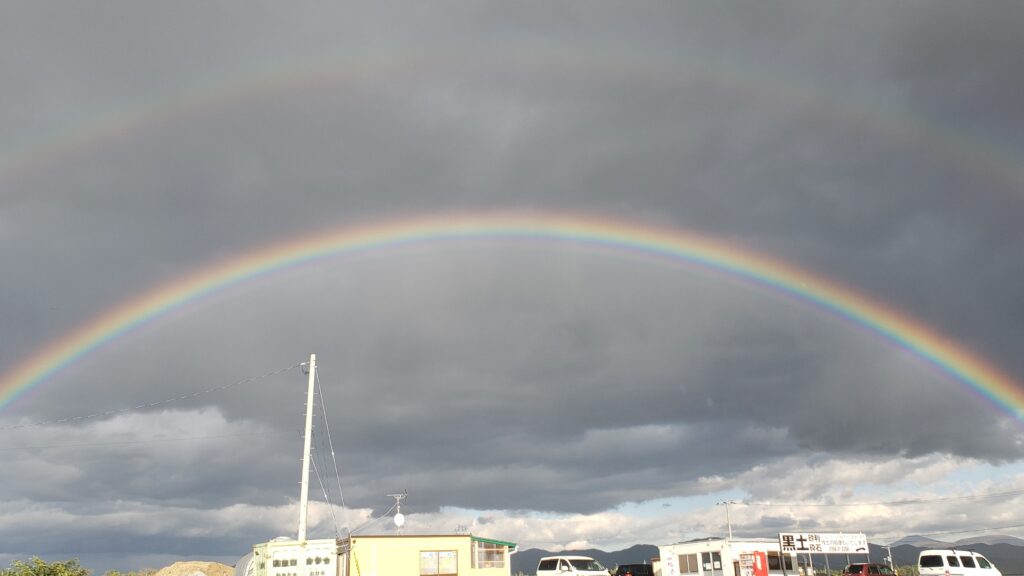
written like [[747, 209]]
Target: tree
[[38, 567]]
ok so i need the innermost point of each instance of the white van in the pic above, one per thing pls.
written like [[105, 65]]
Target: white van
[[570, 566], [954, 563]]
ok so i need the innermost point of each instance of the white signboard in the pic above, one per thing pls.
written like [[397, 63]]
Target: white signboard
[[810, 542]]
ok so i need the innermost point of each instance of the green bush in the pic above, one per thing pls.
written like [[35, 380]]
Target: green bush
[[38, 567]]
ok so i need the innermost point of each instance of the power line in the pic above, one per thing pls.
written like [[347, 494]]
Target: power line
[[968, 531], [907, 502], [975, 530], [152, 404], [330, 441]]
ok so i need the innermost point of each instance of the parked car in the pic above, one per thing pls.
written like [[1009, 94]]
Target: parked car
[[954, 563], [867, 569], [570, 566]]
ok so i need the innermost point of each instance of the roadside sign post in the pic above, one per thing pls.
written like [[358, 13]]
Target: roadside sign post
[[823, 543]]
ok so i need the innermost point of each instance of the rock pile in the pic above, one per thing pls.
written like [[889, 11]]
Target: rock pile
[[196, 569]]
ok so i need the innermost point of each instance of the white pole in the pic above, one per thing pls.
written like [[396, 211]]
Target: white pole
[[728, 521], [304, 491]]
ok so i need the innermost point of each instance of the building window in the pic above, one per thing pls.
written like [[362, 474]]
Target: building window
[[687, 563], [488, 555], [774, 564], [711, 561], [439, 563]]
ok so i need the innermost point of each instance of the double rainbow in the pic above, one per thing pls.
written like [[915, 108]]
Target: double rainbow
[[599, 233]]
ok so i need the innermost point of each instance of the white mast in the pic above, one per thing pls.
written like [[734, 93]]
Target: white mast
[[304, 493]]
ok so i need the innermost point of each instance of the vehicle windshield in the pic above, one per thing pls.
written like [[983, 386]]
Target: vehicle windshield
[[583, 564]]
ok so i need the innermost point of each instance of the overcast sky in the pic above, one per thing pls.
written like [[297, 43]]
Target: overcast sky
[[545, 393]]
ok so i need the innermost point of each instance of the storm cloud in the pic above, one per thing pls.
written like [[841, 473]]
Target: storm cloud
[[548, 393]]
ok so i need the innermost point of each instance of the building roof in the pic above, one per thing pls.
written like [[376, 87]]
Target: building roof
[[724, 539], [475, 538], [493, 541]]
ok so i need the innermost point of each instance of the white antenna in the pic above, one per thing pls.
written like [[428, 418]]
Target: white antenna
[[728, 520], [399, 517], [304, 490]]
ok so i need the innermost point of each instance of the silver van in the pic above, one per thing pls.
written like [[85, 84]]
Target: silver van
[[954, 563], [570, 566]]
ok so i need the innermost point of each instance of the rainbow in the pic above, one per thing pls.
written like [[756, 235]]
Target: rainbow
[[594, 232], [945, 147]]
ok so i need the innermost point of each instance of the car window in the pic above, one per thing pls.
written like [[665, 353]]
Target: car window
[[589, 565], [885, 570], [983, 562], [967, 562], [931, 561], [854, 569], [952, 561], [548, 565], [872, 569]]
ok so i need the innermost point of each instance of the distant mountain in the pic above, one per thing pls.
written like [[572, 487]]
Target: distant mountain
[[920, 542], [992, 539], [526, 561]]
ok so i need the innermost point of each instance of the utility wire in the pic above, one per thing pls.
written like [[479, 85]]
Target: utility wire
[[322, 457], [152, 404], [975, 530], [330, 441], [971, 531], [909, 502], [316, 470], [372, 520]]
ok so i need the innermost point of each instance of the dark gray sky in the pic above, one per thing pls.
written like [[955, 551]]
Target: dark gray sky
[[549, 394]]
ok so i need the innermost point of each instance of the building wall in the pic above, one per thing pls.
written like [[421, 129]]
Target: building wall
[[729, 551], [400, 555], [290, 558]]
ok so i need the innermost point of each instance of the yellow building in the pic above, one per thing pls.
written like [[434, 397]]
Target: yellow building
[[456, 555], [384, 555]]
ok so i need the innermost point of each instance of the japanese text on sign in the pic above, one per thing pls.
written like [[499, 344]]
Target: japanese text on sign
[[823, 543]]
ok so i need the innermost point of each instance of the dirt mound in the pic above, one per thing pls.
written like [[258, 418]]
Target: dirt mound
[[196, 569]]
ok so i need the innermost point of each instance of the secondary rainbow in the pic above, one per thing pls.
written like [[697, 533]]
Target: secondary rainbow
[[593, 232]]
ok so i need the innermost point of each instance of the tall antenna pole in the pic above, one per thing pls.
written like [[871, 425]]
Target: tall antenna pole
[[399, 518], [307, 443], [728, 520]]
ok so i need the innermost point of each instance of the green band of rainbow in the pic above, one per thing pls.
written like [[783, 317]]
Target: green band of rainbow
[[953, 359]]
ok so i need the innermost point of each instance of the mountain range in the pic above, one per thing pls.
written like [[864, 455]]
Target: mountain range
[[1006, 552]]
